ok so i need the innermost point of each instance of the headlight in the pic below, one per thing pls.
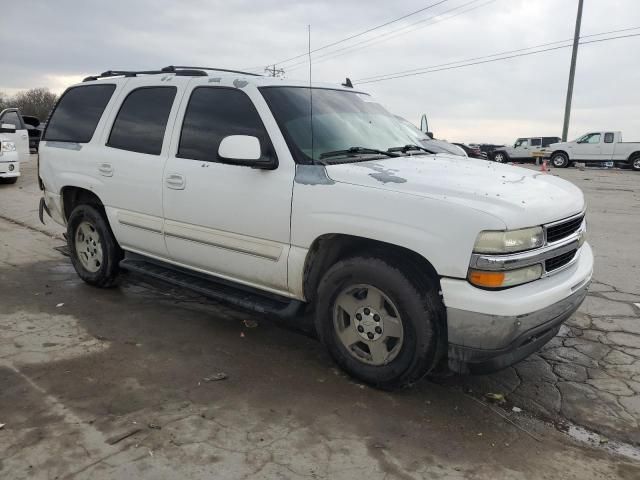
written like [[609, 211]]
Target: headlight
[[510, 278], [509, 241], [8, 146]]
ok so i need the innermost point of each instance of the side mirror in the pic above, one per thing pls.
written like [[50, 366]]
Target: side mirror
[[243, 150], [7, 128], [430, 135]]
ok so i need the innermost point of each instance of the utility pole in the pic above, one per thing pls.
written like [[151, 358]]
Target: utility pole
[[273, 71], [572, 72]]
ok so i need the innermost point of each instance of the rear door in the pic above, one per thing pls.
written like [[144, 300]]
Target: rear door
[[21, 137], [535, 145], [608, 146], [132, 159]]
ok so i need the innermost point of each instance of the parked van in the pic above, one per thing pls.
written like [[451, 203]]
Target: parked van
[[281, 198]]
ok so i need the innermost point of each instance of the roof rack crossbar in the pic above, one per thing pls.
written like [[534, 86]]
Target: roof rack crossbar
[[172, 68], [134, 73]]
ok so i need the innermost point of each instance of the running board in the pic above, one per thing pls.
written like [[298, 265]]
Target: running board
[[218, 289]]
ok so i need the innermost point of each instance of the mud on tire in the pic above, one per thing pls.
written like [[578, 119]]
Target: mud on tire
[[406, 296]]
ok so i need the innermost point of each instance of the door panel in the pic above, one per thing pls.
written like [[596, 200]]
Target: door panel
[[228, 220], [589, 148], [131, 163]]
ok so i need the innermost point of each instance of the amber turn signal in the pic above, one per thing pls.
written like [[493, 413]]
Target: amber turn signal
[[486, 279]]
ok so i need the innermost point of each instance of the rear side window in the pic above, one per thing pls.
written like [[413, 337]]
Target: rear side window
[[142, 120], [536, 142], [608, 137], [546, 141], [78, 112], [214, 113]]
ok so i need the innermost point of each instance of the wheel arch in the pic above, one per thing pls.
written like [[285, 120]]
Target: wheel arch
[[633, 156], [73, 196], [330, 248]]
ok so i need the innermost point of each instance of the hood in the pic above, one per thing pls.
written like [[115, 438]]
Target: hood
[[520, 197]]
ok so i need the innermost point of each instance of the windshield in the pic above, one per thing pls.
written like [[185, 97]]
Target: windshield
[[421, 138], [341, 120]]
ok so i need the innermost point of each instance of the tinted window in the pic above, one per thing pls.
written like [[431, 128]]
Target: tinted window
[[546, 141], [78, 112], [214, 113], [142, 120], [536, 142], [12, 118], [608, 137]]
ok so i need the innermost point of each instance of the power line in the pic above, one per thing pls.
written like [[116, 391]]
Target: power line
[[434, 69], [363, 79], [395, 33], [362, 33]]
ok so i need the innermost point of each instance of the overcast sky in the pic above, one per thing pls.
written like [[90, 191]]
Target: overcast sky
[[55, 43]]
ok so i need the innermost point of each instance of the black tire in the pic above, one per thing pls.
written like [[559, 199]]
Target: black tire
[[560, 160], [635, 163], [501, 157], [419, 306], [9, 181], [108, 269]]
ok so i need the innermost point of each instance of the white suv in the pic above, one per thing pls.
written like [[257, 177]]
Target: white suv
[[274, 196]]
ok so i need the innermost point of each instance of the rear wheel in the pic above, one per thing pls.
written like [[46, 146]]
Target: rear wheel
[[635, 163], [95, 254], [560, 160], [378, 323], [500, 157]]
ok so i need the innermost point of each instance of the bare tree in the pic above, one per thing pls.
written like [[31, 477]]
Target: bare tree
[[37, 102]]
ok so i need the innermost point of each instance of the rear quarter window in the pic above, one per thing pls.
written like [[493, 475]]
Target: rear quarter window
[[78, 112]]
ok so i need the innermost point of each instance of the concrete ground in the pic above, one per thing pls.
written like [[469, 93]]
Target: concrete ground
[[123, 383]]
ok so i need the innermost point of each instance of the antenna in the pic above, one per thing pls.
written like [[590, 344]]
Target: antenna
[[310, 89]]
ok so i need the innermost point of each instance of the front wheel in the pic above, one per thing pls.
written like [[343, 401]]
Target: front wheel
[[635, 163], [560, 160], [94, 252], [500, 157], [380, 325]]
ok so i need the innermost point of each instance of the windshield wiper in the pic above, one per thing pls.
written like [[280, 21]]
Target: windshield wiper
[[357, 151], [408, 148]]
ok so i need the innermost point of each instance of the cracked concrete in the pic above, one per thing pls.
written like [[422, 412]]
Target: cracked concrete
[[589, 373], [132, 359]]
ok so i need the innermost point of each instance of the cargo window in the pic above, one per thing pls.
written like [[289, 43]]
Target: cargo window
[[608, 137], [142, 120], [214, 113], [76, 116]]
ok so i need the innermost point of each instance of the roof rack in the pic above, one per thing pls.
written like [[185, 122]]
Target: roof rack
[[177, 70], [135, 73], [172, 68]]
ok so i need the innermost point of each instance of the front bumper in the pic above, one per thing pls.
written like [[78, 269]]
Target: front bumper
[[490, 330], [9, 169]]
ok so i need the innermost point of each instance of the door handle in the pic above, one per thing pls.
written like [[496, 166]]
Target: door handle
[[25, 136], [176, 181], [105, 169]]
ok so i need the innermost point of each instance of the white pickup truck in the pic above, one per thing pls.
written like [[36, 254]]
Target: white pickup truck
[[604, 146], [9, 157], [279, 198]]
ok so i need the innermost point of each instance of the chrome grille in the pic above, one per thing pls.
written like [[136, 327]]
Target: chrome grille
[[561, 230], [560, 261]]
